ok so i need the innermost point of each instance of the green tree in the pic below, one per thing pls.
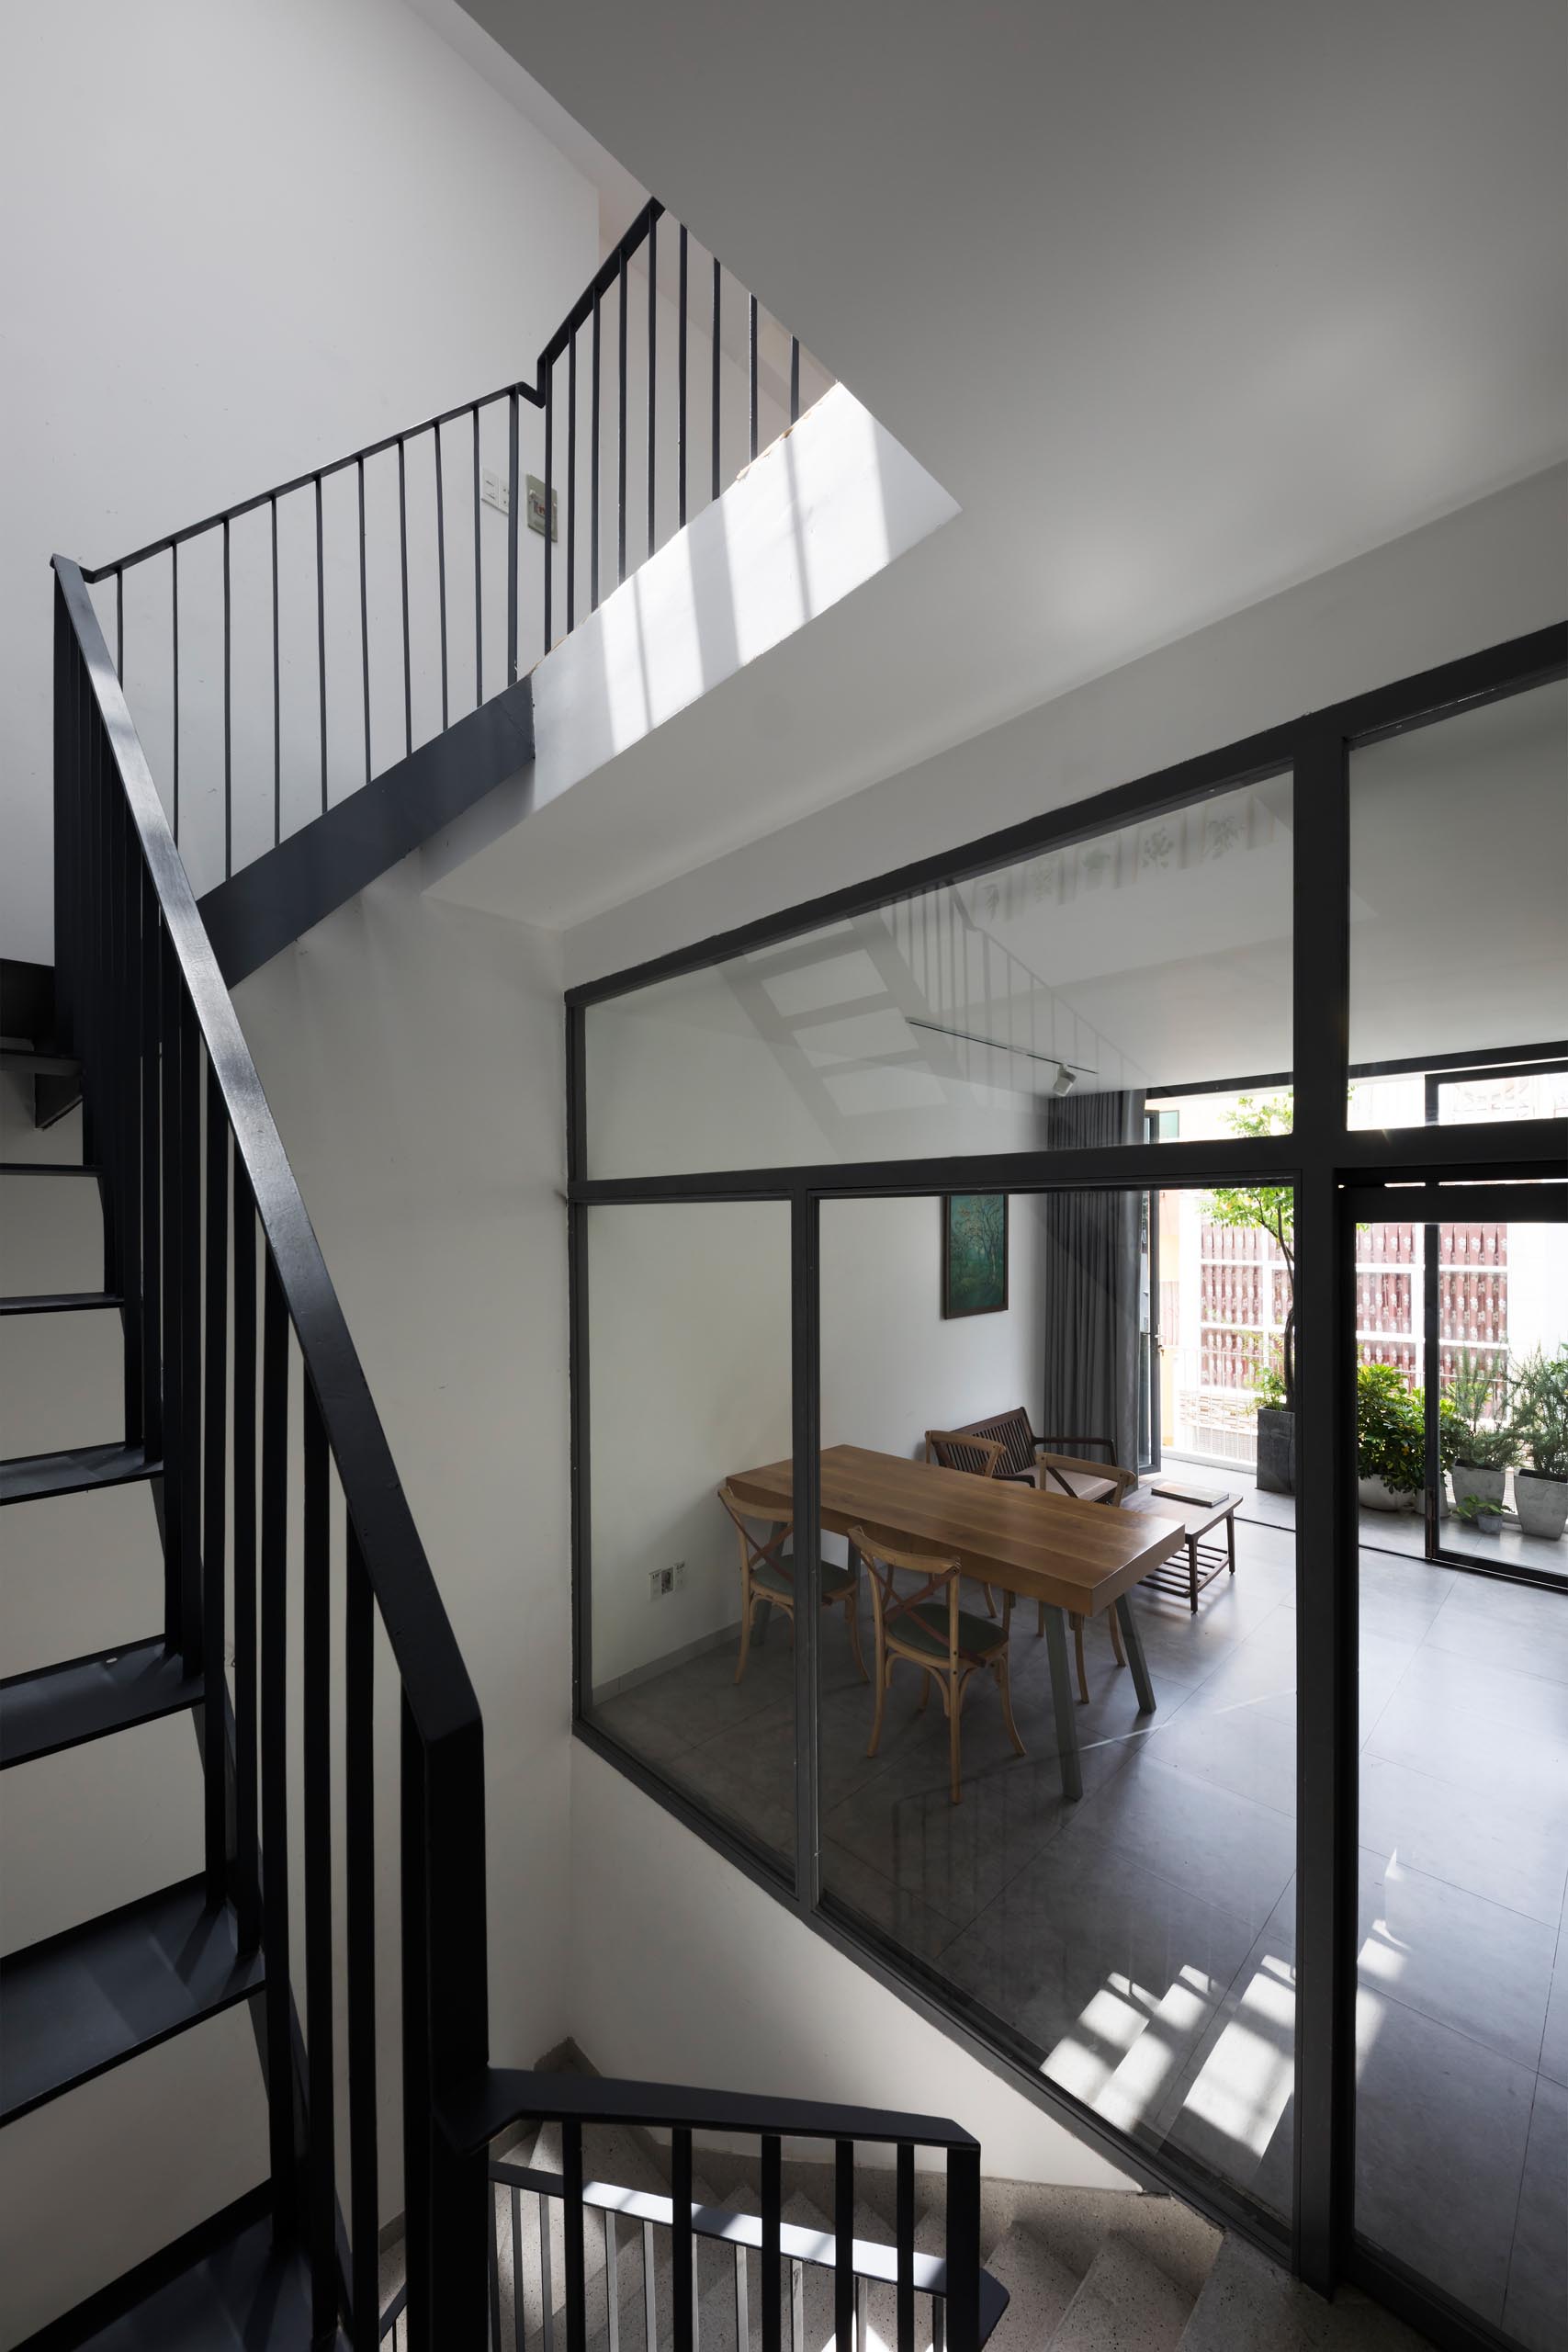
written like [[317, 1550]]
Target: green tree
[[1271, 1208]]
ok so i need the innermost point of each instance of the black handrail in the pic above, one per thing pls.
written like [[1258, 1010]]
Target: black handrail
[[405, 638], [174, 1111]]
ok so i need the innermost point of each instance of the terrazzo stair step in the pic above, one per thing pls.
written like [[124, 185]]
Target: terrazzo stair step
[[1247, 2302], [1040, 2288], [1123, 2304]]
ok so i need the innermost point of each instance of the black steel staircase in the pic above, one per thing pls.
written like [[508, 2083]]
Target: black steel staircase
[[298, 1608]]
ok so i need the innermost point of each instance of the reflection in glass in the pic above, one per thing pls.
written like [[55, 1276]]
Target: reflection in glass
[[689, 1354], [1135, 1942], [1458, 909], [1030, 1008]]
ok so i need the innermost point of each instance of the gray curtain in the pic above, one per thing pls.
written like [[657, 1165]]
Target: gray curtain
[[1091, 1284]]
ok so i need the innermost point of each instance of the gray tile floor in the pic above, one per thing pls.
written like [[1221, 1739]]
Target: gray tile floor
[[1140, 1944]]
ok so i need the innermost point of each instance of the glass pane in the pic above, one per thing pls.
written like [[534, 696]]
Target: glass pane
[[1462, 2008], [1458, 910], [1503, 1307], [689, 1357], [1035, 1006], [1134, 1941]]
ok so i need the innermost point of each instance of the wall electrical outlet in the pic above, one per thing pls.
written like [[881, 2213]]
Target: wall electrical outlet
[[663, 1580], [496, 491]]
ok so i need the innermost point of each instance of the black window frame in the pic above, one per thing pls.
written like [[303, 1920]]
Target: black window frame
[[1337, 1170]]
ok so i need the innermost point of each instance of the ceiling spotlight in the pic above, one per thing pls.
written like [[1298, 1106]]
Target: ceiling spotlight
[[1065, 1079]]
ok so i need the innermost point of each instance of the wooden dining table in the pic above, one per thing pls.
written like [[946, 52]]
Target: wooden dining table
[[1075, 1558]]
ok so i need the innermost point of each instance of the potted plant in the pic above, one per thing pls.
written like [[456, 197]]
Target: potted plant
[[1487, 1444], [1476, 1511], [1538, 1416], [1391, 1442], [1272, 1208]]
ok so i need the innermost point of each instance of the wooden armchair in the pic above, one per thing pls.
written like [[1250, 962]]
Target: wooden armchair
[[983, 1457], [1047, 1463]]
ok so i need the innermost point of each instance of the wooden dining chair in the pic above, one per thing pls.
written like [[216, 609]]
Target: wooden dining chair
[[949, 1643], [767, 1574], [983, 1457]]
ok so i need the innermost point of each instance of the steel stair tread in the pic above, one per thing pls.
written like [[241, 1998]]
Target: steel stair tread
[[61, 1706], [32, 1477], [60, 1302], [237, 2293], [81, 2002]]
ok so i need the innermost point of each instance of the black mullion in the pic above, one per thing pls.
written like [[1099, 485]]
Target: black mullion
[[1326, 1529], [1431, 1390], [805, 1341]]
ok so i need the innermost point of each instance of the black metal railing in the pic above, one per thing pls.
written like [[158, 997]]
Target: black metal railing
[[288, 1545], [283, 652], [233, 1326]]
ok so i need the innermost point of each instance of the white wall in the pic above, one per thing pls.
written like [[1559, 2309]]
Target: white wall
[[411, 1054], [1491, 572], [243, 240]]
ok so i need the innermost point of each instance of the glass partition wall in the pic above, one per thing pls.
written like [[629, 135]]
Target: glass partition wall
[[915, 1568]]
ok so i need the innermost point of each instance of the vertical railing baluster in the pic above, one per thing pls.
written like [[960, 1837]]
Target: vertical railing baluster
[[178, 1628], [275, 1748], [214, 1735], [478, 576], [186, 1461], [797, 2307], [938, 2323], [621, 411], [228, 713], [364, 617], [316, 1825], [550, 493], [682, 2301], [514, 486], [175, 649], [64, 658], [652, 370], [612, 2285], [441, 569], [843, 2241], [753, 324], [276, 696], [519, 2315], [572, 484], [125, 1002], [152, 1203], [247, 1880], [680, 388], [119, 625], [772, 2268], [403, 550], [904, 2241], [546, 2284], [717, 352], [593, 464], [493, 2266], [962, 2300], [572, 2233], [795, 379], [414, 1890], [360, 1881], [321, 633], [650, 2288]]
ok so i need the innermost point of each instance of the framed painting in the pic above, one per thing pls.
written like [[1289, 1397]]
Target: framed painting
[[974, 1253]]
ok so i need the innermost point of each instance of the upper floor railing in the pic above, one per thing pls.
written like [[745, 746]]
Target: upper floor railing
[[282, 653]]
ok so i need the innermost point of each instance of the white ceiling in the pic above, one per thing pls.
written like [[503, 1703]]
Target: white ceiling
[[1182, 304]]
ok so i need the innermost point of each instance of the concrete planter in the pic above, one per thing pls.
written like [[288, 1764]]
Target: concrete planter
[[1542, 1504], [1276, 1450], [1486, 1486], [1376, 1494]]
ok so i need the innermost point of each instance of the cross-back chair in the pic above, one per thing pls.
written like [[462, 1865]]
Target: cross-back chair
[[931, 1628], [767, 1574]]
